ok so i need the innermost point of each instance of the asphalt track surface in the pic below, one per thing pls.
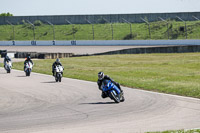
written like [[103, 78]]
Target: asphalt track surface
[[37, 104]]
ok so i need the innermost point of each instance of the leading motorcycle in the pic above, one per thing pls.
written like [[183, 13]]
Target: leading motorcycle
[[58, 73], [28, 68], [112, 91]]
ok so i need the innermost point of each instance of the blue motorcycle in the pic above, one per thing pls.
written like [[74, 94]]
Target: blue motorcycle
[[112, 91]]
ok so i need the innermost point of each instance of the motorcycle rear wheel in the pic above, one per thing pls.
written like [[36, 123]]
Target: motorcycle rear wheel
[[122, 99], [27, 73]]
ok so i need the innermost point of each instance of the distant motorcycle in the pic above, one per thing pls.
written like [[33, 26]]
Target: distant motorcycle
[[8, 66], [58, 73], [112, 91], [28, 68]]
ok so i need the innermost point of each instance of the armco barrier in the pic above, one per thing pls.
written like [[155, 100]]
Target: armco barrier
[[100, 43], [42, 55]]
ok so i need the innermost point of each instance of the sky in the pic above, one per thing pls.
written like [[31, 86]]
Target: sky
[[80, 7]]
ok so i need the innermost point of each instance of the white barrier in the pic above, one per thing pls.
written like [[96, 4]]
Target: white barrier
[[100, 43]]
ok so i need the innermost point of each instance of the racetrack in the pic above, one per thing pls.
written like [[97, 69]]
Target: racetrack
[[37, 104]]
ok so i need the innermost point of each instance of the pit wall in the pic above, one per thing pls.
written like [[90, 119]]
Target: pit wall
[[101, 43]]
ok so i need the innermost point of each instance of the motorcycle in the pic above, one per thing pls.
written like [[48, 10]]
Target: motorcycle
[[112, 91], [58, 73], [28, 68], [8, 66]]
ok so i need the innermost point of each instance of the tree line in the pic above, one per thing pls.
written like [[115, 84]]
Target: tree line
[[6, 14]]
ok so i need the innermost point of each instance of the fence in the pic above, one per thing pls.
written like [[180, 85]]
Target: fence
[[114, 31], [126, 30], [111, 18]]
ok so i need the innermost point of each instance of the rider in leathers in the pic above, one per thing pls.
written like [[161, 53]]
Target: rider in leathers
[[56, 63], [28, 59], [101, 77], [6, 59]]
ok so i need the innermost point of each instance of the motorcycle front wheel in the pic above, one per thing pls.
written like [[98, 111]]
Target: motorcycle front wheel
[[116, 98]]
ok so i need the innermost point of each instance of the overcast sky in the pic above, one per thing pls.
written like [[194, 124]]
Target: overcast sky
[[76, 7]]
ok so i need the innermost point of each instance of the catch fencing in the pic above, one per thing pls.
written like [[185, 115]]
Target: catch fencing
[[111, 18], [157, 26]]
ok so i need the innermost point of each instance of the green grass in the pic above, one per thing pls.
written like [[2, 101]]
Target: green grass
[[179, 131], [121, 31], [167, 73]]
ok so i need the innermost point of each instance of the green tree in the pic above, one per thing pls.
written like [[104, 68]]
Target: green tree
[[6, 14]]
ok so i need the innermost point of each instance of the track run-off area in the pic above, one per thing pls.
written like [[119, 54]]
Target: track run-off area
[[37, 104]]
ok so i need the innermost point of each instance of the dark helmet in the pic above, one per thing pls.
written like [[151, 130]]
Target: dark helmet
[[28, 58], [100, 75], [57, 60]]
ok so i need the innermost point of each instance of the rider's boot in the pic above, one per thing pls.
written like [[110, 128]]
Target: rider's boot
[[104, 95]]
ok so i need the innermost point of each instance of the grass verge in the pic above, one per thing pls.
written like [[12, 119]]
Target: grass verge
[[118, 31], [167, 73]]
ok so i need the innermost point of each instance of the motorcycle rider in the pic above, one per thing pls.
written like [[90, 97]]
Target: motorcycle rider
[[28, 59], [101, 77], [56, 63], [6, 59]]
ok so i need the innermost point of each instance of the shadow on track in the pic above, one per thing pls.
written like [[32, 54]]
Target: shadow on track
[[100, 103], [49, 82], [21, 76], [3, 73]]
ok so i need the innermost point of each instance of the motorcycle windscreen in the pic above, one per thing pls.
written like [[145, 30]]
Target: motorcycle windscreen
[[105, 85]]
